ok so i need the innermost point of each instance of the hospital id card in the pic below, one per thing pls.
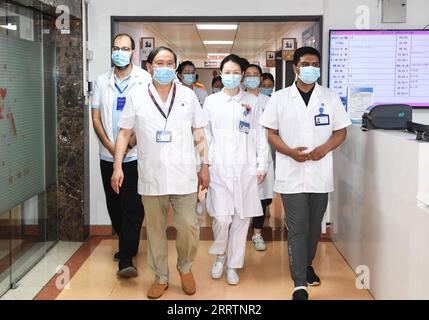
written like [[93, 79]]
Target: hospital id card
[[163, 136], [120, 103], [321, 120], [244, 127]]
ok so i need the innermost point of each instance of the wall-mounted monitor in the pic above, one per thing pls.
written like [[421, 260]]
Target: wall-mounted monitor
[[391, 64]]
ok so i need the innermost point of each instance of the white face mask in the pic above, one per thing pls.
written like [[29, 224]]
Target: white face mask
[[216, 90]]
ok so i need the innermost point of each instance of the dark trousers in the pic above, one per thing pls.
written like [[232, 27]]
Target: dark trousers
[[304, 213], [125, 209], [258, 222]]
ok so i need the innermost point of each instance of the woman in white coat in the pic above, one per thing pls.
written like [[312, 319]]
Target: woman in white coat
[[252, 82], [238, 159]]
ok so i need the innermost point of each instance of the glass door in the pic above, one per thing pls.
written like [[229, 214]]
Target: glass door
[[28, 147]]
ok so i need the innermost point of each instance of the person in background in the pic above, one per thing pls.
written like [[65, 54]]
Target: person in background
[[252, 81], [110, 94], [217, 84], [267, 84], [187, 74], [305, 123], [199, 84], [238, 160], [168, 120]]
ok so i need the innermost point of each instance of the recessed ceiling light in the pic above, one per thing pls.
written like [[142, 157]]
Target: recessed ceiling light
[[217, 26], [9, 26], [217, 54], [218, 42]]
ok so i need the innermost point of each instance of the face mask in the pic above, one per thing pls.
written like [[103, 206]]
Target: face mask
[[231, 81], [216, 90], [121, 59], [163, 75], [252, 82], [189, 78], [266, 91], [309, 74]]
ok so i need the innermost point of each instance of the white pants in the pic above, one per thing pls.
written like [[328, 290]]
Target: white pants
[[230, 233]]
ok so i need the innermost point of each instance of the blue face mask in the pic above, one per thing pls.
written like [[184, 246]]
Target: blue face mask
[[163, 75], [216, 90], [266, 91], [121, 58], [189, 78], [231, 81], [252, 82], [309, 75]]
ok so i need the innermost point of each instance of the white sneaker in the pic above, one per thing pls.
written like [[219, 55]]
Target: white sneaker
[[217, 269], [232, 277], [259, 243]]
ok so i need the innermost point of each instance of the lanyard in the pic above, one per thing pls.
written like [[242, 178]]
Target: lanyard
[[171, 103], [119, 89]]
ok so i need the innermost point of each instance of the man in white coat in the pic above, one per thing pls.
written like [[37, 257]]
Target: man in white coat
[[238, 159], [305, 122], [168, 119]]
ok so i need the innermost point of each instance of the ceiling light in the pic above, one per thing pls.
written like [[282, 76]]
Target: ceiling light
[[218, 42], [217, 26], [9, 26]]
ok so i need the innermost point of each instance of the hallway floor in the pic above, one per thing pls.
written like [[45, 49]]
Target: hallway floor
[[265, 275]]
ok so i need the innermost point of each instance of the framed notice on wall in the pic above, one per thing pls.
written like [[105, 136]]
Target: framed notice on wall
[[270, 59], [146, 46], [288, 48]]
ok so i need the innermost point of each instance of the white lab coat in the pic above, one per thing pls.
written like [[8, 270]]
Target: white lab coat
[[104, 95], [266, 189], [287, 113], [235, 157], [201, 94], [164, 168]]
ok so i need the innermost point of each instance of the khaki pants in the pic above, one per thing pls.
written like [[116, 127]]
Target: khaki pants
[[188, 232]]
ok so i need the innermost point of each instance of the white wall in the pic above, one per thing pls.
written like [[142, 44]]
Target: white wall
[[336, 14]]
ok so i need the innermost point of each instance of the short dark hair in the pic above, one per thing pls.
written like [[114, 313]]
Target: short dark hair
[[244, 63], [120, 35], [216, 79], [254, 66], [157, 50], [302, 52], [233, 58], [183, 65], [267, 75]]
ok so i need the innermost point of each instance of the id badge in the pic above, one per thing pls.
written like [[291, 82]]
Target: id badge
[[163, 136], [244, 127], [321, 120], [120, 104]]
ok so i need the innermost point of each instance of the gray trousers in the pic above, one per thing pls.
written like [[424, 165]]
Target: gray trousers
[[304, 214]]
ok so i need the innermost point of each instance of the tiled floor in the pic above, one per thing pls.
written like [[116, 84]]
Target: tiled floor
[[36, 279], [265, 276]]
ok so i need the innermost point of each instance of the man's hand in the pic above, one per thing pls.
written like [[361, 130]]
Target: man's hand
[[299, 154], [318, 153], [261, 177], [117, 180], [204, 177]]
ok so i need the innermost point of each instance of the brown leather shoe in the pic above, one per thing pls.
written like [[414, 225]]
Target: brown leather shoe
[[188, 283], [157, 290]]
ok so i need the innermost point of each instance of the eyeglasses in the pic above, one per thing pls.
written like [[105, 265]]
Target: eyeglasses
[[126, 49]]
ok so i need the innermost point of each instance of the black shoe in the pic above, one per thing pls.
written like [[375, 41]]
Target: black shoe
[[127, 269], [312, 278], [300, 294], [116, 257]]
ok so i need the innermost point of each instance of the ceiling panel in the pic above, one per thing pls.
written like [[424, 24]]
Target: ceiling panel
[[249, 38]]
